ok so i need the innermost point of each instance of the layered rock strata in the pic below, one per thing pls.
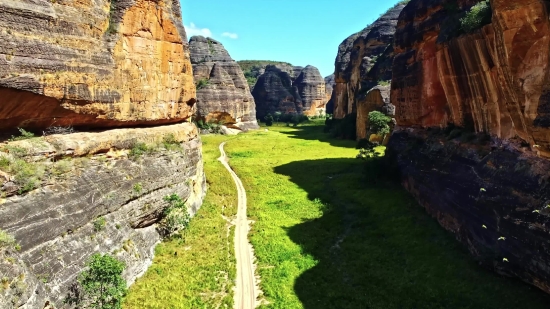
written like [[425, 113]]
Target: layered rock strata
[[223, 94], [93, 64], [363, 60], [59, 224], [281, 89], [493, 82]]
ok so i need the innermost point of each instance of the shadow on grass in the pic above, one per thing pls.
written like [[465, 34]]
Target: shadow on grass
[[377, 248], [315, 132]]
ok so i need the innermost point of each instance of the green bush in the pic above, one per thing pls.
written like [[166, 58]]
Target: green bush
[[6, 239], [138, 150], [379, 123], [24, 135], [202, 83], [176, 216], [99, 224], [268, 120], [478, 16], [101, 285]]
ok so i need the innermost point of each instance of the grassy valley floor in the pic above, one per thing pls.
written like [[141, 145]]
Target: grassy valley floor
[[325, 234]]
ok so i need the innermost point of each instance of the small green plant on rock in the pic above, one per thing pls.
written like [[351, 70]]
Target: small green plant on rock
[[202, 83], [138, 188], [99, 224], [6, 240], [101, 285], [24, 135]]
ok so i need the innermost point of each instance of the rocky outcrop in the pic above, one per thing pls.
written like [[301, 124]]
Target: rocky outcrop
[[329, 86], [253, 69], [93, 64], [363, 59], [493, 82], [376, 99], [283, 89], [105, 199], [223, 94]]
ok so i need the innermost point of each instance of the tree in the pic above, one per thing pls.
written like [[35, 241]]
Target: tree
[[277, 116], [268, 120], [101, 284], [379, 123]]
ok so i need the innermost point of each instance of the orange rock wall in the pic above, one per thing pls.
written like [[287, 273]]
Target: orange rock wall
[[93, 64], [494, 80]]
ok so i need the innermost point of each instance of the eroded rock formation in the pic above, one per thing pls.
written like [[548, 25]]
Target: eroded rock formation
[[289, 90], [223, 93], [363, 59], [56, 224], [493, 82], [93, 63]]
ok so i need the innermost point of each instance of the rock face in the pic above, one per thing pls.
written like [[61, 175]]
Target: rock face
[[364, 60], [329, 86], [93, 63], [287, 90], [57, 226], [223, 93], [494, 82], [376, 99]]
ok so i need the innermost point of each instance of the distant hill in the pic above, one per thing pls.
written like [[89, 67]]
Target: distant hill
[[252, 69]]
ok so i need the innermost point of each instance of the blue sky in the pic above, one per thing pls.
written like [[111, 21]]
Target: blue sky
[[301, 32]]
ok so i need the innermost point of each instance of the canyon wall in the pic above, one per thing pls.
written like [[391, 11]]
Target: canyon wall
[[364, 60], [472, 139], [223, 94], [64, 197], [289, 89], [93, 63], [89, 178]]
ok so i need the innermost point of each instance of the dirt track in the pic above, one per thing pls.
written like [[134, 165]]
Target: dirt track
[[246, 290]]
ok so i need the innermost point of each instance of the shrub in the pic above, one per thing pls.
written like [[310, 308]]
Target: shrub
[[101, 285], [24, 135], [268, 120], [202, 83], [99, 224], [6, 239], [138, 150], [169, 142], [176, 217], [369, 151], [384, 82], [478, 16], [379, 123]]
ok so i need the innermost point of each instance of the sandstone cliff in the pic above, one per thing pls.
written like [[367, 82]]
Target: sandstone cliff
[[289, 89], [93, 63], [89, 178], [493, 82], [362, 61], [222, 90], [253, 69]]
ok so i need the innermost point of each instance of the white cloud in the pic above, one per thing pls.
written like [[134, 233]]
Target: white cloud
[[192, 30], [230, 35]]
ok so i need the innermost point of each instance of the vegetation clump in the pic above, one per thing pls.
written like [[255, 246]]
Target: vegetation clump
[[379, 123], [101, 285], [24, 135], [176, 216], [478, 16], [202, 83]]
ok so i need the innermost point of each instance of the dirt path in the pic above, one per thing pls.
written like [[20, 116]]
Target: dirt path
[[246, 290]]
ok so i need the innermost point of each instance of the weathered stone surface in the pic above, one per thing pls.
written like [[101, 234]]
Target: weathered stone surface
[[311, 86], [376, 99], [288, 89], [329, 86], [482, 191], [54, 224], [224, 94], [493, 81], [93, 63], [363, 59]]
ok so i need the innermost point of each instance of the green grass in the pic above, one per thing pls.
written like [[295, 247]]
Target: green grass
[[197, 270], [325, 236]]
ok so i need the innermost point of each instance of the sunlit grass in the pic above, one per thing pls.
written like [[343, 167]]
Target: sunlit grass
[[325, 236], [197, 271]]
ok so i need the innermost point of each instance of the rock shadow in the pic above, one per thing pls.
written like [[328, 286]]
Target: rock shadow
[[375, 247], [316, 133]]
